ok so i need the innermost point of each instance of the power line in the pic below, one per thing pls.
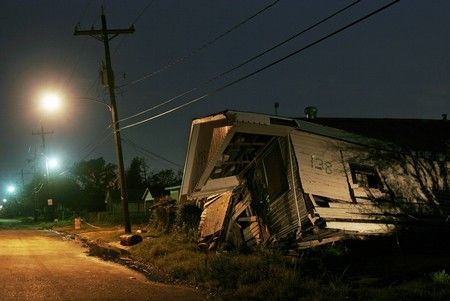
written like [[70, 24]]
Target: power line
[[286, 41], [141, 13], [149, 4], [159, 105], [203, 46], [93, 147], [75, 63], [265, 67], [99, 139], [245, 62], [154, 155]]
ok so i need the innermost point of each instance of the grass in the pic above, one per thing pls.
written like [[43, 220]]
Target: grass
[[369, 270]]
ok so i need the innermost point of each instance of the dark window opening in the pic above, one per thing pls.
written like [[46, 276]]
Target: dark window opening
[[277, 182], [239, 153], [267, 180], [365, 176]]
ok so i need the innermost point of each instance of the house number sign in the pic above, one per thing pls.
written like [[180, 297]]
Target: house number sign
[[320, 164]]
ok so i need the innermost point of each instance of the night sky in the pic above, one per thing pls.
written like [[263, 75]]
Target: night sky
[[394, 65]]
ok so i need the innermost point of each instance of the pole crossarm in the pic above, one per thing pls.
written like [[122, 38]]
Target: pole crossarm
[[42, 133], [98, 33]]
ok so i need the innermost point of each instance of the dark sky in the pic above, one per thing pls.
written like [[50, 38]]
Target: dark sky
[[394, 65]]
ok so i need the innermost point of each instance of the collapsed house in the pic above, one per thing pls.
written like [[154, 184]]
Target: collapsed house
[[269, 180]]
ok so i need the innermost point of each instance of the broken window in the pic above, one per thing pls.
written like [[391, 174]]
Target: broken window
[[240, 152], [267, 180], [365, 176], [275, 171]]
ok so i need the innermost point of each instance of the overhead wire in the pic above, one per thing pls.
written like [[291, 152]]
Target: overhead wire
[[218, 76], [203, 46], [79, 53], [148, 152], [136, 19], [232, 83], [92, 147]]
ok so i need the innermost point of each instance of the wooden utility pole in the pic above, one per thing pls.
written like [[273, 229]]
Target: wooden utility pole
[[42, 133], [105, 35]]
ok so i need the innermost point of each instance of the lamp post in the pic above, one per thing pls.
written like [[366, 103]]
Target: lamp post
[[52, 103]]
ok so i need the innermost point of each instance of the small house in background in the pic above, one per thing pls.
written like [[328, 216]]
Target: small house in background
[[174, 192], [162, 209], [148, 199], [270, 180]]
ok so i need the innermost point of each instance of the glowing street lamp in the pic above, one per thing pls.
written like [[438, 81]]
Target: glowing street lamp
[[53, 163], [51, 102]]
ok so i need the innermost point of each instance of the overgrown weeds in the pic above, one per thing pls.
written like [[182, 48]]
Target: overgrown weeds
[[345, 271]]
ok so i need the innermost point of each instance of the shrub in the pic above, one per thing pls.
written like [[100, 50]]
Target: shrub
[[441, 277], [188, 216]]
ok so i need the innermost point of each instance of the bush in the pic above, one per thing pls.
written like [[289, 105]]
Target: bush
[[441, 277], [188, 217]]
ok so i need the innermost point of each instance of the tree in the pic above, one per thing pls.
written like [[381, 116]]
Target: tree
[[95, 178], [135, 176], [162, 179]]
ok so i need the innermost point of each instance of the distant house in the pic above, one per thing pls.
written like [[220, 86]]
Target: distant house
[[264, 179], [172, 192], [148, 199]]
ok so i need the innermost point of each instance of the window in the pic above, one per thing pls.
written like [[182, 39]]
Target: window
[[275, 172], [366, 176], [267, 179]]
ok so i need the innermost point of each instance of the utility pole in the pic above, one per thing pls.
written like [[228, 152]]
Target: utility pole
[[105, 35], [42, 133]]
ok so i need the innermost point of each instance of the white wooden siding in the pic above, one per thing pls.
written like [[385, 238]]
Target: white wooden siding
[[320, 164]]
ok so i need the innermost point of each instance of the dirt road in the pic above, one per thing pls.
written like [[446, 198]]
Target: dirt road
[[41, 265]]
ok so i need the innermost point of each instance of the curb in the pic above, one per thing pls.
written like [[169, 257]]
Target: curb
[[111, 252]]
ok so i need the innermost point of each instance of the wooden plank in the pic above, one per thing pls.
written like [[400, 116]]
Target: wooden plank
[[367, 208], [317, 242], [240, 207], [348, 214], [248, 219], [213, 215], [252, 232], [366, 228]]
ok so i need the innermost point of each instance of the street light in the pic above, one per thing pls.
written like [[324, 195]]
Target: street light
[[52, 163], [11, 189], [51, 102]]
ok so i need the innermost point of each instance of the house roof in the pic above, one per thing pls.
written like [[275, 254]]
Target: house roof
[[223, 144], [420, 134]]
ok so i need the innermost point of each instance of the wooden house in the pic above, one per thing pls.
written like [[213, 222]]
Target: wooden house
[[263, 179]]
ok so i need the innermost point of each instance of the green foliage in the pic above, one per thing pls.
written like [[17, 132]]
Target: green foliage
[[188, 217], [441, 277], [95, 177], [162, 179], [95, 174], [135, 176]]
